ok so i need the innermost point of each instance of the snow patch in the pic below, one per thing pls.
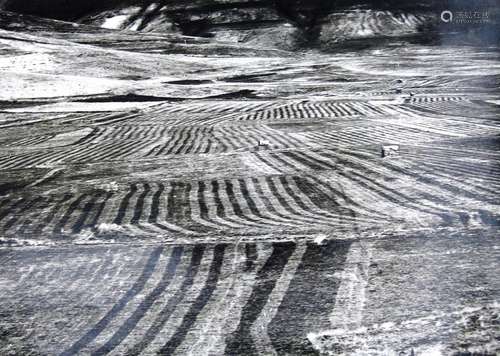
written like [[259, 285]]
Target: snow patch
[[85, 236], [115, 22], [104, 227], [318, 240], [66, 138], [110, 187]]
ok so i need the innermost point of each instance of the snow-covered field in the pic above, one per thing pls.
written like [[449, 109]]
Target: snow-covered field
[[224, 199]]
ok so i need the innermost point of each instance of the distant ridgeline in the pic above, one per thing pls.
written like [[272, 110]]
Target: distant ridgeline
[[285, 23]]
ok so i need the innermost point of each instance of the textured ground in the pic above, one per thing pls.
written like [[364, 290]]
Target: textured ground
[[238, 204]]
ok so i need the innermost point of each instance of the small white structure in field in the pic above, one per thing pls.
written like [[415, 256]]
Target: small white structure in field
[[390, 150], [264, 143]]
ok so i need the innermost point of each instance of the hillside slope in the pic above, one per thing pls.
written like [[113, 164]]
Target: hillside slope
[[285, 24]]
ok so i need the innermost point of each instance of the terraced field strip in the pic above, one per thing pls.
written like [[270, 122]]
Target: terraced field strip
[[308, 180], [222, 298], [189, 207]]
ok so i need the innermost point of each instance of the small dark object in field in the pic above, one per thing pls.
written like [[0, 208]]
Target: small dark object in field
[[390, 150]]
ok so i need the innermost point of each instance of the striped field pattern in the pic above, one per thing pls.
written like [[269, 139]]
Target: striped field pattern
[[194, 299], [242, 168], [253, 298], [274, 224]]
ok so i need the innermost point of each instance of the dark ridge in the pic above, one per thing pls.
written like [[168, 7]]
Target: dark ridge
[[62, 9], [243, 78], [245, 93], [131, 293], [163, 316], [240, 341], [198, 304], [190, 82], [200, 7], [4, 105], [207, 18], [132, 321], [303, 12], [313, 283], [127, 98]]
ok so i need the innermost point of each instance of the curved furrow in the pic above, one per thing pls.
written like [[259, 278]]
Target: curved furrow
[[96, 216], [248, 205], [203, 135], [272, 205], [295, 205], [180, 208], [31, 141], [233, 207], [388, 195], [301, 191], [77, 153], [281, 203], [267, 161], [176, 135], [229, 142], [48, 220], [112, 208], [67, 213], [175, 340], [481, 183], [133, 329], [16, 211], [135, 316], [218, 211], [141, 212], [241, 340], [155, 211], [78, 225], [311, 159], [461, 164], [119, 218], [442, 188], [209, 318], [266, 207], [384, 191], [197, 135], [161, 325], [25, 160], [363, 175], [127, 301], [303, 201], [260, 328], [349, 207], [31, 220], [199, 208], [187, 136], [114, 152], [115, 118], [249, 258]]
